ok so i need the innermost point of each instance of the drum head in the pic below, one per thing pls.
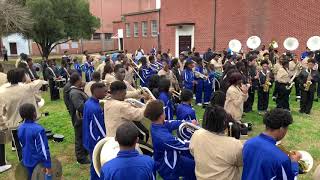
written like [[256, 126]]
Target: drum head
[[56, 167], [21, 172]]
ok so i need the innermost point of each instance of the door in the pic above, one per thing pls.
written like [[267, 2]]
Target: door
[[13, 48], [121, 44], [184, 43]]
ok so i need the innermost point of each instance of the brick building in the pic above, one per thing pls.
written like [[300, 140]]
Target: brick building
[[213, 23]]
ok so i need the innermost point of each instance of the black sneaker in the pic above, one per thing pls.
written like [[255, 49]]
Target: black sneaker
[[84, 161]]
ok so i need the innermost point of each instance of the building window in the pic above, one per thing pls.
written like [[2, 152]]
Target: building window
[[107, 36], [154, 28], [128, 32], [136, 29], [96, 36], [144, 28]]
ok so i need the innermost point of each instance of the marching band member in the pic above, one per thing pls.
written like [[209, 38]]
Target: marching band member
[[184, 109], [139, 54], [77, 66], [31, 71], [308, 79], [34, 142], [188, 76], [153, 64], [209, 83], [304, 62], [200, 81], [275, 70], [305, 53], [108, 73], [172, 156], [95, 79], [145, 72], [63, 71], [277, 165], [9, 105], [177, 73], [216, 155], [93, 122], [88, 68], [265, 79], [253, 78], [85, 56], [283, 78], [294, 67], [3, 76], [217, 62], [77, 100], [166, 72], [119, 168], [236, 95], [129, 77], [164, 96], [52, 74], [117, 111]]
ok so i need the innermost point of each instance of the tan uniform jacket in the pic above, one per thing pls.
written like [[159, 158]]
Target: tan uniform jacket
[[87, 88], [169, 75], [117, 112], [217, 65], [293, 68], [234, 102], [3, 78], [100, 68], [131, 91], [283, 76], [276, 68], [129, 76], [216, 156], [12, 97]]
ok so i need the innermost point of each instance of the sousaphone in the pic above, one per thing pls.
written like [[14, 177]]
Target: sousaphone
[[105, 150], [291, 43], [235, 45], [253, 42], [313, 43]]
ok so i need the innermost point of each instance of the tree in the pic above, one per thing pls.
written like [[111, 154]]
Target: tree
[[14, 18], [59, 21]]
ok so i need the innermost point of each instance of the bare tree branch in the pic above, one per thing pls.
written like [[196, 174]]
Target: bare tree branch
[[14, 18]]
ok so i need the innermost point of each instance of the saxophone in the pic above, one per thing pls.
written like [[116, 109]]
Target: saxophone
[[308, 82], [267, 83]]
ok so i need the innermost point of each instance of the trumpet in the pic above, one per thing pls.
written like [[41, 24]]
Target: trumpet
[[306, 161]]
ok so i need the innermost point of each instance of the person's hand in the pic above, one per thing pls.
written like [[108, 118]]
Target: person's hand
[[195, 122], [145, 95], [194, 82], [295, 156], [244, 88]]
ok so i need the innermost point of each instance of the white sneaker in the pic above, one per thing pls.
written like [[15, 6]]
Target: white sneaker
[[199, 104], [5, 168], [298, 97], [13, 149]]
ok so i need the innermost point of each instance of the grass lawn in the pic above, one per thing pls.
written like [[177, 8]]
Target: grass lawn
[[304, 134]]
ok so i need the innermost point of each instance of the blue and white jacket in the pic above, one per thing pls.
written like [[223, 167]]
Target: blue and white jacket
[[185, 112], [168, 105], [262, 159], [167, 148], [34, 142], [88, 69], [146, 73], [93, 128], [188, 78], [129, 165]]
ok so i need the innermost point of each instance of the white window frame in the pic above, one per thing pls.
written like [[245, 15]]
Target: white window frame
[[128, 31], [154, 28], [144, 28], [135, 29]]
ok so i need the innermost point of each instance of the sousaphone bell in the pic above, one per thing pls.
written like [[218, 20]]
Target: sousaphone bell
[[253, 42], [235, 45], [313, 43], [291, 43]]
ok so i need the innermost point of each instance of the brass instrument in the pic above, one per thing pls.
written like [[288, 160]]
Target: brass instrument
[[291, 82], [186, 130], [235, 45], [200, 75], [253, 42], [313, 43], [306, 161], [273, 44], [308, 83], [147, 90], [291, 43], [267, 83], [135, 102]]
